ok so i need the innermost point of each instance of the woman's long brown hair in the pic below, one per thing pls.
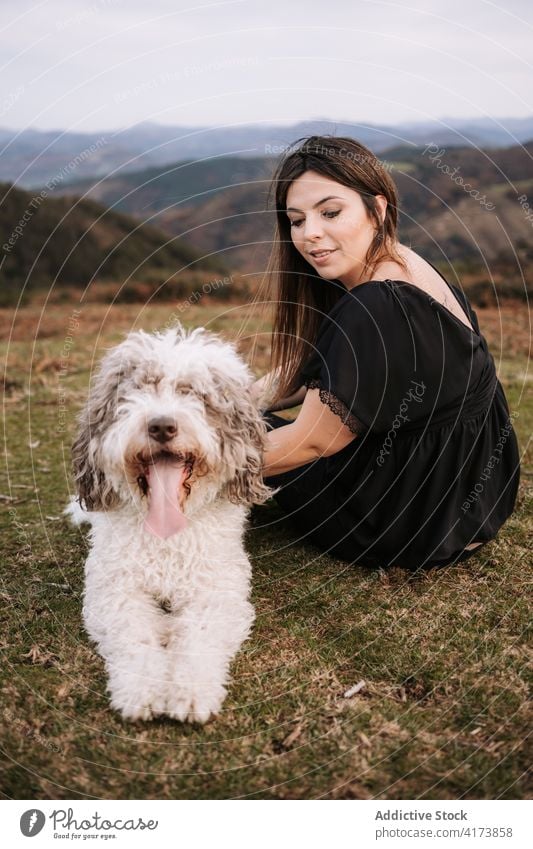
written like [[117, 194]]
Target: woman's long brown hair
[[301, 296]]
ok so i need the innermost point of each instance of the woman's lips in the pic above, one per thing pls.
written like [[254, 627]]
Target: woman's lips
[[321, 259]]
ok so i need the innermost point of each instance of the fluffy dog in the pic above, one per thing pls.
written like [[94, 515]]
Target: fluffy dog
[[167, 460]]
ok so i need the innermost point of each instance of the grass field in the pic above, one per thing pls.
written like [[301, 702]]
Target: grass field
[[443, 713]]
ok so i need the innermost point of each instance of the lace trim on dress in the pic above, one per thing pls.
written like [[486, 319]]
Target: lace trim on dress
[[336, 406]]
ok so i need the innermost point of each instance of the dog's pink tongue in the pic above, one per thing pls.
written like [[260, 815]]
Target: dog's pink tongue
[[165, 516]]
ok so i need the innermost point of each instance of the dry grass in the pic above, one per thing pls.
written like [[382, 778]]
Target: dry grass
[[444, 656]]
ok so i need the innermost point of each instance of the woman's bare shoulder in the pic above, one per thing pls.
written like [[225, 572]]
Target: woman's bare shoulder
[[389, 269], [421, 274]]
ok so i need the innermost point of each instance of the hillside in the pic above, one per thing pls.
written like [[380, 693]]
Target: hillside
[[58, 240], [220, 205]]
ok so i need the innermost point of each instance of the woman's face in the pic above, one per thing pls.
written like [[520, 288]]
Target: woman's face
[[325, 215]]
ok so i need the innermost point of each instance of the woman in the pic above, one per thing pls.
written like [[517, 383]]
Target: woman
[[403, 452]]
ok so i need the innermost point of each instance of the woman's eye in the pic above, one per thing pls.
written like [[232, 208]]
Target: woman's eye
[[330, 213]]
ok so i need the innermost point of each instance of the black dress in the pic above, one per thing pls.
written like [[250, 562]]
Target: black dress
[[435, 466]]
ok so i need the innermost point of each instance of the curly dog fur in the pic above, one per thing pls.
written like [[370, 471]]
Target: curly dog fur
[[168, 614]]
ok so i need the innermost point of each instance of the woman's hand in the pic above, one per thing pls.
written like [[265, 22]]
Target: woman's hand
[[316, 432], [263, 391]]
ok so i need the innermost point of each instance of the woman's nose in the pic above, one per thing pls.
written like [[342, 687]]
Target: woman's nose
[[312, 227]]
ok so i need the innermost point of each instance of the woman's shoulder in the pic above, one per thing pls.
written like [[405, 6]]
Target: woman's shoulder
[[366, 317], [368, 290], [370, 298]]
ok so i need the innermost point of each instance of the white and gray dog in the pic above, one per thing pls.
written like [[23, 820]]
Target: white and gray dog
[[167, 461]]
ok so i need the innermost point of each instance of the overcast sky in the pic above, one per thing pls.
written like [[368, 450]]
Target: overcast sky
[[104, 64]]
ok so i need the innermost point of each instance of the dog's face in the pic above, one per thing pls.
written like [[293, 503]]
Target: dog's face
[[170, 411]]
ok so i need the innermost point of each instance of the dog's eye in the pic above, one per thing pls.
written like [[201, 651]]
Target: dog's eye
[[141, 379], [152, 379]]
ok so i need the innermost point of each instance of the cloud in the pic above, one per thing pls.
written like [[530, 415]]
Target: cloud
[[101, 64]]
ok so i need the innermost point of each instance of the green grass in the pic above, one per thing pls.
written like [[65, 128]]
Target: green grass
[[444, 655]]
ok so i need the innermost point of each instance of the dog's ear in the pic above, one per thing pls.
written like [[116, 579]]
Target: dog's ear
[[244, 443], [94, 490]]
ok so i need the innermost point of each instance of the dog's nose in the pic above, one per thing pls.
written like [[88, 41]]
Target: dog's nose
[[162, 429]]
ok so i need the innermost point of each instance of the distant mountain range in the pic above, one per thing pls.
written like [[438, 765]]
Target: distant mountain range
[[30, 158]]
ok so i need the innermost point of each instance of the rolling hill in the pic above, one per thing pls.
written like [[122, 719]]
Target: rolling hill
[[60, 240]]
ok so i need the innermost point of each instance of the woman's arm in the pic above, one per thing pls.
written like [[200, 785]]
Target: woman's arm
[[316, 432]]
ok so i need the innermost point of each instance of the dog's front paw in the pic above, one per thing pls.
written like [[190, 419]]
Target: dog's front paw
[[136, 706], [191, 701], [139, 690]]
